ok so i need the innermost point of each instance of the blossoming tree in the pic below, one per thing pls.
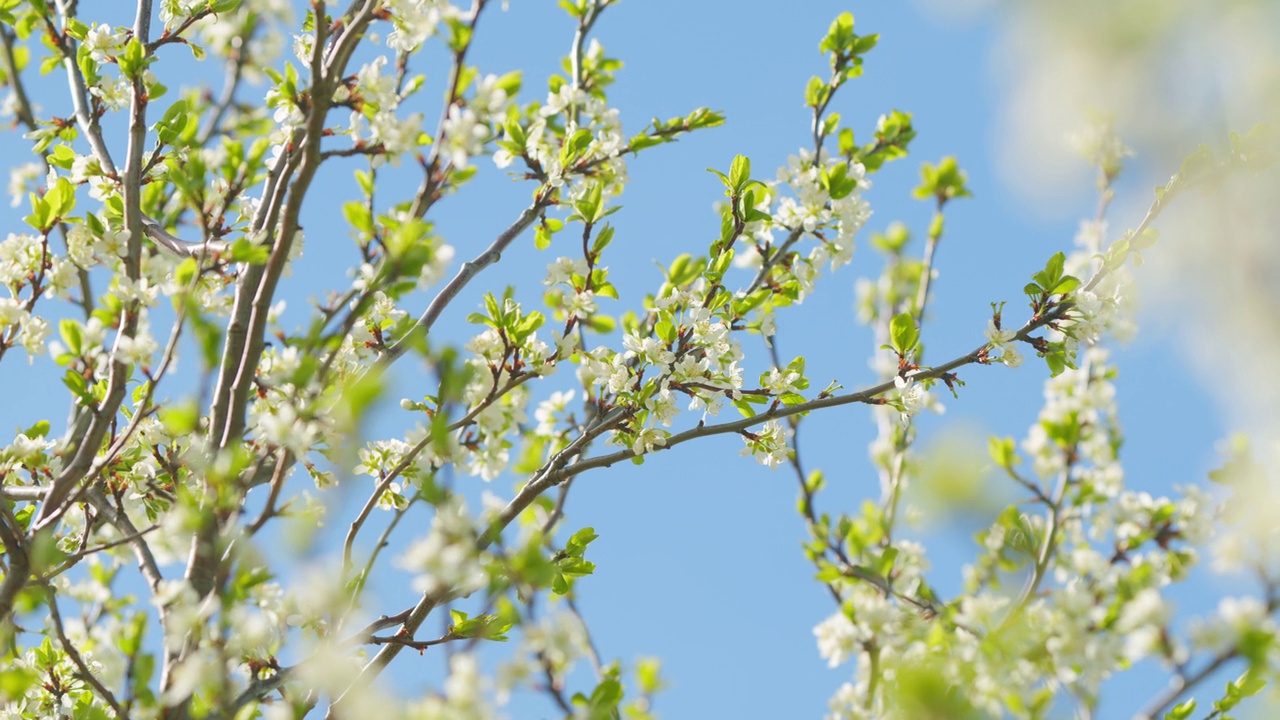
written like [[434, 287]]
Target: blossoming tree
[[164, 222]]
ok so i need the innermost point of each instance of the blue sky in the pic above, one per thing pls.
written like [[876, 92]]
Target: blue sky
[[698, 557]]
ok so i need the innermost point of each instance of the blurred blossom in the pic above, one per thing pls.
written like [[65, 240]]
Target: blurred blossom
[[1162, 77]]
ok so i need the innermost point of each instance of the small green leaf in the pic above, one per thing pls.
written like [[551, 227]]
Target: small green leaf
[[1065, 285], [1002, 451], [133, 59], [244, 251], [1181, 711], [739, 173], [903, 333]]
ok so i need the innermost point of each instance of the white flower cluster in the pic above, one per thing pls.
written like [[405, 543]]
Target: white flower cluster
[[576, 301], [649, 375], [577, 110], [1002, 340], [464, 695], [177, 10], [769, 446], [224, 34], [558, 639], [416, 21], [377, 123], [447, 556], [285, 415], [812, 208], [25, 452], [1081, 398], [1099, 144], [1106, 308]]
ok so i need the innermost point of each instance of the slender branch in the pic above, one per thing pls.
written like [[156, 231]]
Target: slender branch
[[430, 600], [23, 492], [273, 496], [15, 577], [131, 182], [465, 274], [593, 653], [926, 273], [70, 649], [71, 560], [1182, 682], [369, 562], [409, 457], [429, 191], [767, 263], [807, 495], [23, 104], [85, 117], [235, 73], [177, 246]]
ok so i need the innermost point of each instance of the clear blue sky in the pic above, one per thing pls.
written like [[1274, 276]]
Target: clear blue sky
[[698, 557]]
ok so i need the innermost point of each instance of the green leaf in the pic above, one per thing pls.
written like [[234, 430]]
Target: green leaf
[[134, 58], [171, 126], [38, 430], [943, 181], [62, 156], [903, 333], [578, 543], [1003, 451], [588, 207], [358, 216], [180, 418], [14, 681], [885, 564], [40, 216], [244, 251], [839, 35], [1065, 285], [665, 330], [739, 173], [606, 290], [483, 627], [1181, 711], [72, 336], [816, 92], [603, 238]]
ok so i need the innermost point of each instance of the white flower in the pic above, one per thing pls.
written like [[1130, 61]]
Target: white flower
[[548, 409], [650, 350], [27, 449], [464, 135], [447, 556], [283, 427], [415, 21], [837, 639], [647, 440], [911, 395], [100, 42], [303, 46], [35, 330], [1010, 356], [560, 639], [998, 337], [11, 312], [663, 406], [583, 304], [781, 381], [563, 270], [558, 102], [136, 350], [769, 446]]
